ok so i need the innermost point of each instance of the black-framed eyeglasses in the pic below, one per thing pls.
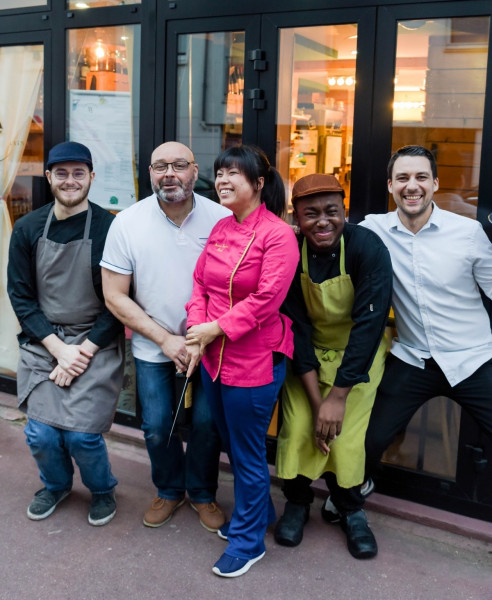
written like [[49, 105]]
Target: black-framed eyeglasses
[[177, 166]]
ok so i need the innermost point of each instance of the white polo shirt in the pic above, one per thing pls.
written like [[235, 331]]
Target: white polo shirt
[[161, 257]]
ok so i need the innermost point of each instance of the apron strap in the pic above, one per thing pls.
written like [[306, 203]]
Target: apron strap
[[48, 223], [342, 256], [305, 267], [87, 223]]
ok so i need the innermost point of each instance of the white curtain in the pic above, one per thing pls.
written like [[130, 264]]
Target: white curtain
[[21, 71]]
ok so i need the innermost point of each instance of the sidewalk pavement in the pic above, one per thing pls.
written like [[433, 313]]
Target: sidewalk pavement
[[63, 557]]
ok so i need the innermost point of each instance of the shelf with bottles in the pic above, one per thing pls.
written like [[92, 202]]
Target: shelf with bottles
[[101, 67]]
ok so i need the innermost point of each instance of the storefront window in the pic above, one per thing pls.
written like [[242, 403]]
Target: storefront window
[[103, 111], [6, 4], [440, 77], [21, 166], [103, 81], [210, 97], [81, 4], [315, 108]]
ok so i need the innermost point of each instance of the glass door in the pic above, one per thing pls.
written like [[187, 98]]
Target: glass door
[[212, 74], [318, 103], [334, 91], [430, 86], [315, 102]]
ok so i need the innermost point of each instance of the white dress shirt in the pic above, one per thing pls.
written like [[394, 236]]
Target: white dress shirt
[[436, 300]]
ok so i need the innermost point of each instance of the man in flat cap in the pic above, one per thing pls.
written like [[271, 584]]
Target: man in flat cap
[[339, 302], [71, 353]]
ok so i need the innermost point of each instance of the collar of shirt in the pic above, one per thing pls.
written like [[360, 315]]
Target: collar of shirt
[[435, 220], [188, 216]]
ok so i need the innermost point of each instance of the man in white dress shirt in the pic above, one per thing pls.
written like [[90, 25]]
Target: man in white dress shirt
[[444, 342]]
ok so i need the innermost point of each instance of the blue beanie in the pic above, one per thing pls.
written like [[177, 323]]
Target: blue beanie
[[69, 152]]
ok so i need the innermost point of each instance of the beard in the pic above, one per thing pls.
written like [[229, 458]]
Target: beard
[[73, 200], [180, 195]]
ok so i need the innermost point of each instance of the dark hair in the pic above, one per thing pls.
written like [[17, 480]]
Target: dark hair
[[253, 163], [413, 151]]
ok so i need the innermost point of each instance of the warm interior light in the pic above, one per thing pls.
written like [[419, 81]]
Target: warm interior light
[[99, 52], [409, 105], [81, 5]]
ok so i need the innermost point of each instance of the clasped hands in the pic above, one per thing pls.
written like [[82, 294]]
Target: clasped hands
[[197, 338], [73, 360]]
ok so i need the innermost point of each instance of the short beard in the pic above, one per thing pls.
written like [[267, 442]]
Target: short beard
[[180, 195], [72, 203]]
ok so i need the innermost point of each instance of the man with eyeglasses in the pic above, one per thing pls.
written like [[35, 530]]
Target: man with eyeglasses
[[148, 265], [71, 347]]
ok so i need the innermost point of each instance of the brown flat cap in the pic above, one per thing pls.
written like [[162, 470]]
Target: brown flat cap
[[315, 184]]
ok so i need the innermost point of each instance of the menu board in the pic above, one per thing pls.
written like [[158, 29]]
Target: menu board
[[103, 122]]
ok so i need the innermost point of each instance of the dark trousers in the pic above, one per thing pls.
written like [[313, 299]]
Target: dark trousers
[[405, 388], [346, 500]]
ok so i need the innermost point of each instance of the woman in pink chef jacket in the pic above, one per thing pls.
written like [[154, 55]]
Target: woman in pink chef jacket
[[235, 327]]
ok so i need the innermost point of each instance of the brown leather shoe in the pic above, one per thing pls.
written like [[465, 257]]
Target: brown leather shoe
[[210, 513], [160, 511]]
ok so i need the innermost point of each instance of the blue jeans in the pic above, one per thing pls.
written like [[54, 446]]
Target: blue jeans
[[173, 472], [53, 449], [243, 416]]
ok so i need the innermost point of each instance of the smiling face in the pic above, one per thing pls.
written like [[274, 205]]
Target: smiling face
[[321, 218], [171, 186], [70, 183], [236, 192], [413, 187]]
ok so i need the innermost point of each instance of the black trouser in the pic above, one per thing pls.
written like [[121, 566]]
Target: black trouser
[[346, 500], [405, 388]]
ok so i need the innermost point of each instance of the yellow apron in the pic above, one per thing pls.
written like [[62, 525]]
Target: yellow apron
[[329, 305]]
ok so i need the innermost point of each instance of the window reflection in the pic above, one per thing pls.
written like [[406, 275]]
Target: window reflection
[[210, 94], [81, 4], [6, 4], [439, 96], [103, 81], [430, 441], [315, 108]]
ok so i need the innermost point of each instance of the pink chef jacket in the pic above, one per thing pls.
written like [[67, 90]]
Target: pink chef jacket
[[240, 280]]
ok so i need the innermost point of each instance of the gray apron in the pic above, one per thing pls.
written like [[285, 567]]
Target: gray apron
[[67, 297]]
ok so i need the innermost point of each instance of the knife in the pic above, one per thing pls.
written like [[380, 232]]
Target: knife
[[187, 380]]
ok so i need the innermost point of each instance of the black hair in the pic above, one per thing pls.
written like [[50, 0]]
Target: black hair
[[253, 163], [412, 151]]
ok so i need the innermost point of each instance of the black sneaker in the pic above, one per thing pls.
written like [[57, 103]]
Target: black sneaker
[[44, 503], [329, 511], [103, 509]]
